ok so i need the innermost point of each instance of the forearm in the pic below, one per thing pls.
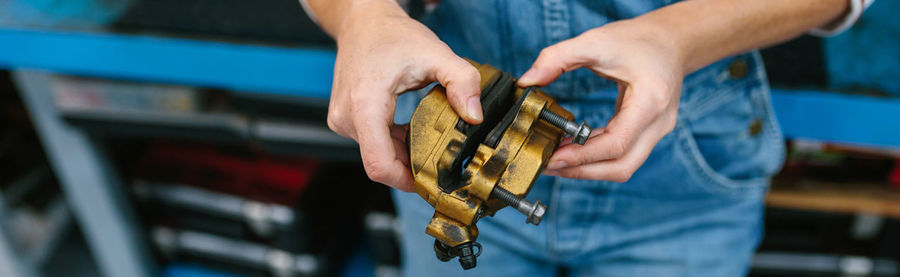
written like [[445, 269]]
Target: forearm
[[705, 31], [334, 15]]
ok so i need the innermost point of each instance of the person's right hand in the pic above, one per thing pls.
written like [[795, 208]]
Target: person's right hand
[[382, 54]]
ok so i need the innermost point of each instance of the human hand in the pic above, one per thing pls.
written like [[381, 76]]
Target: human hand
[[382, 54], [648, 69]]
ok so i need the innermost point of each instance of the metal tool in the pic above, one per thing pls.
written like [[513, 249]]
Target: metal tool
[[468, 171]]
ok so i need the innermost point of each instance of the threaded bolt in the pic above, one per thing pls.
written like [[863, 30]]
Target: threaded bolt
[[534, 211], [579, 132]]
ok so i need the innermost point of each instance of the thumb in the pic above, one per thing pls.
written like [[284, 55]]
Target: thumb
[[554, 61], [463, 83]]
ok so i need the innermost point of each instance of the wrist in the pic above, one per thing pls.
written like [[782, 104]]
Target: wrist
[[365, 13], [673, 45]]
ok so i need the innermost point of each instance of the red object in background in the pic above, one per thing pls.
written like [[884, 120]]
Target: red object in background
[[251, 175], [894, 176]]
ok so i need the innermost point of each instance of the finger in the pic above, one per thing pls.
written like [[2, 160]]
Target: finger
[[402, 151], [338, 122], [463, 83], [554, 61], [621, 89], [616, 170], [399, 134], [338, 119], [381, 157], [570, 139], [615, 140]]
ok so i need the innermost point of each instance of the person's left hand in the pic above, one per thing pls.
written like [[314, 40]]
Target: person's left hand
[[649, 71]]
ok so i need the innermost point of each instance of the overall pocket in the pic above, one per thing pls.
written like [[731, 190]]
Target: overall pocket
[[735, 145]]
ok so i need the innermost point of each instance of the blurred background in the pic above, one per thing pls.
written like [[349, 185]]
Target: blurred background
[[187, 138]]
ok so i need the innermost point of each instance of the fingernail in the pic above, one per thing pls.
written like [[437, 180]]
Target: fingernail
[[554, 165], [528, 79], [551, 172], [473, 108]]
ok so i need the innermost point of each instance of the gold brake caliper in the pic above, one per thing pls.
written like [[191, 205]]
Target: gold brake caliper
[[468, 171]]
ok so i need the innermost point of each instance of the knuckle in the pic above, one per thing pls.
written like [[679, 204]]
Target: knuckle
[[575, 173], [582, 159], [376, 171], [331, 124], [621, 176], [659, 100], [658, 95], [670, 122], [470, 74], [549, 53], [618, 147], [334, 119], [456, 97], [624, 172]]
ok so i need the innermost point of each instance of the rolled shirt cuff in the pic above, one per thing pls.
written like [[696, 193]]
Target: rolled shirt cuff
[[308, 11], [856, 10]]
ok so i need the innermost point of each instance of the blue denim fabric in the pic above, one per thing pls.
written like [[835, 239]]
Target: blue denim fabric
[[693, 209]]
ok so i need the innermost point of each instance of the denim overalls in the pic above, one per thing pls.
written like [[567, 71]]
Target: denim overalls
[[693, 209]]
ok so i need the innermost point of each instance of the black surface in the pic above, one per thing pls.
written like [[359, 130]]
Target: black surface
[[796, 63], [497, 98], [818, 233], [335, 205], [277, 21], [71, 258]]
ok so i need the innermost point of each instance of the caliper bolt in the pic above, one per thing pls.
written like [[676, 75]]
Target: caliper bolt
[[579, 132], [467, 253], [534, 211]]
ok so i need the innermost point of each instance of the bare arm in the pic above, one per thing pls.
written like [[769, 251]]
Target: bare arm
[[332, 14], [709, 30]]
